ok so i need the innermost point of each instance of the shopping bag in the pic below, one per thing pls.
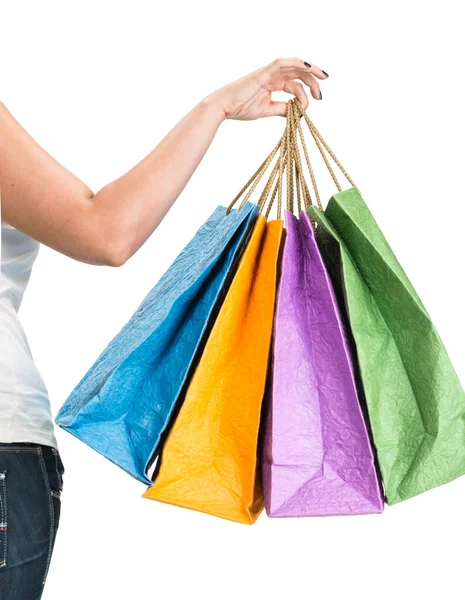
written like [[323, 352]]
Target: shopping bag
[[317, 457], [209, 461], [415, 402], [125, 401]]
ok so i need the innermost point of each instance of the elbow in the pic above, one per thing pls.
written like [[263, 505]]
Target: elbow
[[115, 259], [113, 249], [109, 235], [116, 254], [112, 233]]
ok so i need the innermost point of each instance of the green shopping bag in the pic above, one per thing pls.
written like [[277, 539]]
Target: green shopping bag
[[415, 402]]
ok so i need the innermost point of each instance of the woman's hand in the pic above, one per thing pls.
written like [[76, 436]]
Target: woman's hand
[[249, 98]]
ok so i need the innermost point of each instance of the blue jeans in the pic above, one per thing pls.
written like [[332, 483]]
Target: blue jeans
[[31, 481]]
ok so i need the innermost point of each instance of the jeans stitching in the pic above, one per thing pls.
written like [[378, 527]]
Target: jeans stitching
[[11, 449], [51, 511], [3, 515], [59, 477]]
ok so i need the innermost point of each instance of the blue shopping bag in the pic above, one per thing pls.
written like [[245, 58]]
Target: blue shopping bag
[[124, 403]]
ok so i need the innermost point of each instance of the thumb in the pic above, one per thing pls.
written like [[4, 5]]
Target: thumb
[[276, 109]]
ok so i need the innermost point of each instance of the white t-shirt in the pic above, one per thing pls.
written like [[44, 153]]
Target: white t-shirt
[[25, 414]]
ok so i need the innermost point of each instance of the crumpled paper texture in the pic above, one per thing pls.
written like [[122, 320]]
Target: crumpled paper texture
[[415, 402], [317, 457], [124, 402], [209, 461]]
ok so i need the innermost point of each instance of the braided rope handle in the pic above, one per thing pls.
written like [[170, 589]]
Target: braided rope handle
[[254, 180], [320, 143], [289, 167]]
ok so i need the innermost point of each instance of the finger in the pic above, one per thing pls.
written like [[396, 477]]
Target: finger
[[316, 71], [297, 89], [277, 109], [287, 64], [312, 83]]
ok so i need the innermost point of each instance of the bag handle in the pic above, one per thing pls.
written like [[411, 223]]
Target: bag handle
[[301, 184], [322, 147], [254, 180], [276, 177], [289, 166]]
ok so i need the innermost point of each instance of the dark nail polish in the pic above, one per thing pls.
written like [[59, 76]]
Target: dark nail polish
[[307, 65], [321, 95], [324, 73]]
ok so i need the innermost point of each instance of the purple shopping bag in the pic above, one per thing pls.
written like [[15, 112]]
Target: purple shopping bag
[[317, 456]]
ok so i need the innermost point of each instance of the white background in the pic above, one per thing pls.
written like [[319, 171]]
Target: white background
[[98, 84]]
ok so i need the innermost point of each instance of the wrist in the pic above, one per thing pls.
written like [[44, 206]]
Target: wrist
[[214, 105]]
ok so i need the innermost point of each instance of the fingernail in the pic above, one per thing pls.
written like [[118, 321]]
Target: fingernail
[[321, 95], [307, 65], [324, 73]]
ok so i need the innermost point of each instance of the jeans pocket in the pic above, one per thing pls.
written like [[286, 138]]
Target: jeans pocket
[[3, 519], [51, 471], [56, 480]]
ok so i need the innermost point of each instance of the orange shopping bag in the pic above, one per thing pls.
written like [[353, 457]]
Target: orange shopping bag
[[209, 461]]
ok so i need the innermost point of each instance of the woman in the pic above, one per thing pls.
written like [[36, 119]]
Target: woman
[[42, 202]]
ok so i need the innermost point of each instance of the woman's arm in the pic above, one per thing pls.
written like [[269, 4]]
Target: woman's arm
[[44, 200]]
